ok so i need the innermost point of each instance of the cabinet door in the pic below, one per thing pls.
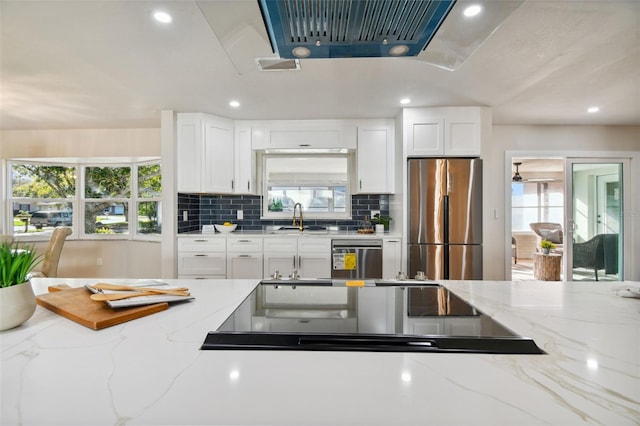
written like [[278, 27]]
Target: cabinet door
[[244, 265], [282, 262], [305, 138], [425, 137], [462, 133], [375, 159], [189, 154], [391, 258], [218, 156], [314, 265], [245, 163]]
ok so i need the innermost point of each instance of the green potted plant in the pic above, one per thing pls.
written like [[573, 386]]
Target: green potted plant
[[381, 220], [546, 246], [276, 205], [17, 300]]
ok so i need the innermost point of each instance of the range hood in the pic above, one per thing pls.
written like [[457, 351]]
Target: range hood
[[352, 28]]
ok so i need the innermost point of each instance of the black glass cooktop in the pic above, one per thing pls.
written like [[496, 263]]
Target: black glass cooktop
[[378, 318]]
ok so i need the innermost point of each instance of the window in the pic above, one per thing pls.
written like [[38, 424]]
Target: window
[[148, 200], [536, 202], [44, 196], [107, 191], [318, 182]]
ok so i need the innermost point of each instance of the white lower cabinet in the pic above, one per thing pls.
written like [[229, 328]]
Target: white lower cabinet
[[201, 257], [244, 257], [391, 257], [256, 257], [309, 256]]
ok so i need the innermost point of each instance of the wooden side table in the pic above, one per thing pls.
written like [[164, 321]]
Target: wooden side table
[[547, 267]]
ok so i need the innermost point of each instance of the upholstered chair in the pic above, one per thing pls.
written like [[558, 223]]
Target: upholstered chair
[[53, 251], [548, 231]]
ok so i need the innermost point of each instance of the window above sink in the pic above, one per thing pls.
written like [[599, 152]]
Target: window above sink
[[320, 183]]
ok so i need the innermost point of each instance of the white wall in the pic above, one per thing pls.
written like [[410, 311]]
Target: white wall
[[120, 258], [505, 140], [508, 141]]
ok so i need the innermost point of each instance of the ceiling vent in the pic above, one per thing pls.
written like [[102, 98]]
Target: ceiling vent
[[276, 64], [352, 28]]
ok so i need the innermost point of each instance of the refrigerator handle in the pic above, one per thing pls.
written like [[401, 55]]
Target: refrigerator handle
[[445, 257]]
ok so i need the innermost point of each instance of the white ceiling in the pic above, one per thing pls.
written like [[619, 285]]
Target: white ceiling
[[107, 64]]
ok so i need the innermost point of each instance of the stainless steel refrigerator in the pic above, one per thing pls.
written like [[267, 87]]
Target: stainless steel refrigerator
[[445, 218]]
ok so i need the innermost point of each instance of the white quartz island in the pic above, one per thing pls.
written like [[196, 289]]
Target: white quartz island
[[150, 371]]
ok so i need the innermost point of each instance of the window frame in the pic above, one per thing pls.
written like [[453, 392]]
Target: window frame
[[542, 206], [78, 201], [271, 215]]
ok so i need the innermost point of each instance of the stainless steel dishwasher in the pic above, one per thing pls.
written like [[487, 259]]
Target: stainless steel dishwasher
[[357, 258]]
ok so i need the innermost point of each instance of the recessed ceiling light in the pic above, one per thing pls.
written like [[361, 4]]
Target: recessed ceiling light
[[399, 50], [593, 109], [301, 52], [234, 104], [472, 10], [405, 101], [162, 16]]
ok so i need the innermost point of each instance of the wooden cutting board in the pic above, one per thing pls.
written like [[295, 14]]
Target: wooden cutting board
[[75, 304]]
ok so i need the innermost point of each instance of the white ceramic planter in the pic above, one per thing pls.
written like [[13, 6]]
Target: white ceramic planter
[[17, 304]]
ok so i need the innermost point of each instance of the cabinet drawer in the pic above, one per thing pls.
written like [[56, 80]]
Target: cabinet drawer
[[314, 245], [244, 245], [204, 244], [202, 264], [280, 244]]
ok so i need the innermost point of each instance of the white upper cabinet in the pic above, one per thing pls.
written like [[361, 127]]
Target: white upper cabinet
[[205, 154], [375, 157], [454, 131], [301, 134], [245, 162]]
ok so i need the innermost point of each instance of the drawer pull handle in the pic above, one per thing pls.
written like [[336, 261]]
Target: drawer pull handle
[[200, 255], [244, 241], [200, 241]]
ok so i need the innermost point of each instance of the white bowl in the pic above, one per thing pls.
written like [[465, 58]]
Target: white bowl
[[226, 229]]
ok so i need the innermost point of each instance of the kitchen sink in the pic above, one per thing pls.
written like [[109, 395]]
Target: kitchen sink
[[295, 230]]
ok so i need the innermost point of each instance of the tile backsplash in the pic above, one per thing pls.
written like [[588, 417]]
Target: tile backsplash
[[212, 209]]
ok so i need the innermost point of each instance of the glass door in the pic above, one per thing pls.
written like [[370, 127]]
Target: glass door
[[595, 226]]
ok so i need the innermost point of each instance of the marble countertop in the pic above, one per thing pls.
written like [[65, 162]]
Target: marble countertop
[[268, 233], [150, 371]]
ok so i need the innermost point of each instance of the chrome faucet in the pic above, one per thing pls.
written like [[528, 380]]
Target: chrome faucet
[[294, 216]]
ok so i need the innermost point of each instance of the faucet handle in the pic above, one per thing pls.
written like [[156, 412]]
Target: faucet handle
[[294, 275]]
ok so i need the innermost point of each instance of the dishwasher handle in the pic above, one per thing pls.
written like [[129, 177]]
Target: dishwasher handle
[[356, 244]]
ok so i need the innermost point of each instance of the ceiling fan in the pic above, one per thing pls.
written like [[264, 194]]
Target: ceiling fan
[[517, 177], [276, 34]]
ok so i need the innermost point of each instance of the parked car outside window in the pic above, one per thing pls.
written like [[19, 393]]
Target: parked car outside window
[[50, 218]]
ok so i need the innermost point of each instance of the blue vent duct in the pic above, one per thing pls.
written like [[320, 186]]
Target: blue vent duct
[[352, 28]]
